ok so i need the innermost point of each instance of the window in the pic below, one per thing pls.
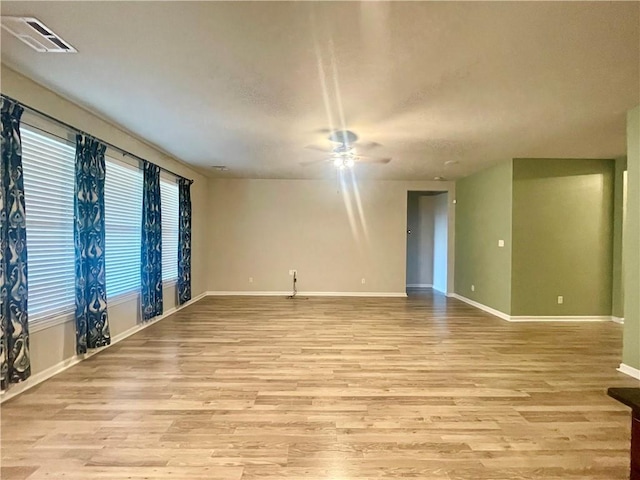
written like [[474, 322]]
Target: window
[[169, 206], [49, 182], [48, 165], [123, 224]]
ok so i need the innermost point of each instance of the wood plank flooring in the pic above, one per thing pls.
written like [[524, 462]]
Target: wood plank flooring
[[249, 388]]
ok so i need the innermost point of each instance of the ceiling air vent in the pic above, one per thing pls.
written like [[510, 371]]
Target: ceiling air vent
[[36, 34]]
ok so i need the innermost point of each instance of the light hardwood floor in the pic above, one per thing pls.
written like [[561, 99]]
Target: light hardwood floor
[[333, 389]]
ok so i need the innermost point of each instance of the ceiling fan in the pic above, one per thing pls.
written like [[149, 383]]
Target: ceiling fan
[[344, 152]]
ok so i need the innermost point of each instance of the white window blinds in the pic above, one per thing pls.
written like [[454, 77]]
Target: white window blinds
[[169, 205], [49, 171], [123, 223]]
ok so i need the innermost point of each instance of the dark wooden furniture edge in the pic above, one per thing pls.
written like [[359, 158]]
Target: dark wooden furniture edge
[[628, 396], [631, 398]]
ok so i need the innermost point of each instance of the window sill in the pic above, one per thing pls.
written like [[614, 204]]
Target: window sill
[[169, 283], [122, 298], [49, 322], [59, 319]]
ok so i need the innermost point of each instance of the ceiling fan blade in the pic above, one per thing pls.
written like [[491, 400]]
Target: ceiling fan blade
[[323, 130], [367, 145], [313, 162], [373, 160], [318, 148]]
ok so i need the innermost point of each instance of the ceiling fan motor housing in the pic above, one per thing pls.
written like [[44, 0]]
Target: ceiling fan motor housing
[[345, 137]]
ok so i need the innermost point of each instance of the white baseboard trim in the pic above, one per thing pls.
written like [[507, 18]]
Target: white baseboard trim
[[617, 320], [305, 294], [217, 293], [627, 370], [419, 285], [142, 326], [492, 311], [35, 379], [355, 294], [564, 318], [517, 318]]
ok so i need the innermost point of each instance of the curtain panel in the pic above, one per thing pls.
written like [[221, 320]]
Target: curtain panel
[[15, 364], [92, 324], [184, 241], [151, 252]]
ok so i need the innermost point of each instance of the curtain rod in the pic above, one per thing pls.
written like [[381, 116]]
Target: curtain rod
[[77, 130]]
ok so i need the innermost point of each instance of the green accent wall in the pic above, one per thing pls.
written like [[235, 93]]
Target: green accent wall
[[483, 216], [617, 300], [562, 237], [631, 245]]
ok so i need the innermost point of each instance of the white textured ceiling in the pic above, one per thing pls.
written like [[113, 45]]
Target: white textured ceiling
[[249, 84]]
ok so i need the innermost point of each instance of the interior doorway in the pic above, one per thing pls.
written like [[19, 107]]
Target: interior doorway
[[427, 241]]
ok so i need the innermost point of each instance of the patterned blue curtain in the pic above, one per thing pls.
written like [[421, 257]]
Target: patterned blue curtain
[[184, 241], [15, 365], [151, 254], [92, 324]]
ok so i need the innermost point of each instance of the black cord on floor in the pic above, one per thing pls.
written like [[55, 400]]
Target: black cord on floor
[[294, 295]]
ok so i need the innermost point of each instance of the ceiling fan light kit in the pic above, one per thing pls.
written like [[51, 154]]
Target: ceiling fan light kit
[[342, 161], [344, 155]]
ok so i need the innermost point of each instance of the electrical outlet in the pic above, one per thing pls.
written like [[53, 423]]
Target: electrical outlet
[[501, 243], [560, 299], [250, 279], [473, 288], [363, 281], [293, 272]]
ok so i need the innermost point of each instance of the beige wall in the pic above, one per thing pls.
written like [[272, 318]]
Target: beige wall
[[56, 344], [263, 228]]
